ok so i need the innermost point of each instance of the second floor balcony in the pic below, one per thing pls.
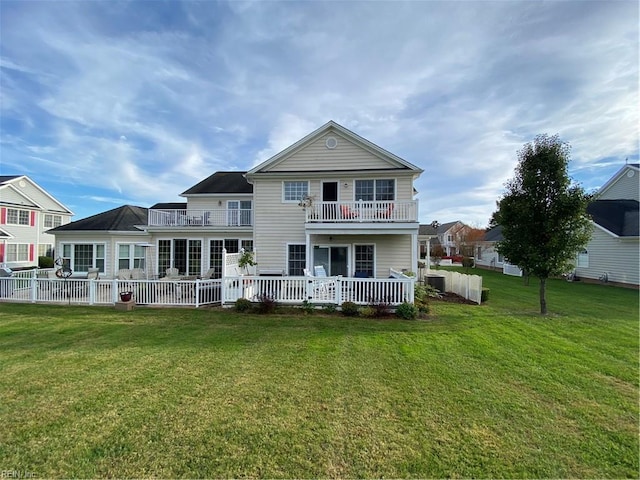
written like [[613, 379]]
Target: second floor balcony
[[363, 212], [222, 217]]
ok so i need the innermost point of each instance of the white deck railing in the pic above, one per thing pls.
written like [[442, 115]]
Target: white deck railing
[[222, 217], [107, 292], [362, 211], [319, 290]]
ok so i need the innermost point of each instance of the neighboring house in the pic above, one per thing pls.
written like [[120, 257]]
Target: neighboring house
[[613, 253], [486, 254], [448, 236], [427, 238], [27, 212], [332, 199]]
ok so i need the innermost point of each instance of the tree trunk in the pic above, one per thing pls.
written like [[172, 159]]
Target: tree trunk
[[543, 299]]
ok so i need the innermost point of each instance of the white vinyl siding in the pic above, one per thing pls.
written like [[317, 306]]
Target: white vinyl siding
[[346, 156], [625, 187], [618, 257]]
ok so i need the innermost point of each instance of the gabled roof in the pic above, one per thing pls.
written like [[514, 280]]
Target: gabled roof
[[331, 125], [494, 234], [222, 183], [121, 219], [6, 178], [630, 166], [620, 217], [15, 181], [447, 226], [427, 230]]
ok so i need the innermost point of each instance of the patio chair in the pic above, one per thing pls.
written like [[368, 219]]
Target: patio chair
[[93, 274], [172, 272], [346, 212], [137, 274], [124, 274]]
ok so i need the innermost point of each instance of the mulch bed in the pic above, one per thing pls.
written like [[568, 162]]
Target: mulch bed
[[453, 298]]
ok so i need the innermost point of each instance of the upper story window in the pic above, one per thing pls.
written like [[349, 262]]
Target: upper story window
[[52, 221], [375, 190], [17, 217], [295, 191]]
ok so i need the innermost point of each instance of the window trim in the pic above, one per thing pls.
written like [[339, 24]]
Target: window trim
[[71, 261], [284, 190], [288, 253], [374, 180], [374, 260], [18, 212]]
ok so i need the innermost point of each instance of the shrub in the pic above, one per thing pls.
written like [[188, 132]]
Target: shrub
[[45, 262], [349, 309], [307, 307], [367, 312], [467, 262], [243, 305], [330, 308], [422, 294], [484, 295], [266, 304], [408, 311], [381, 309]]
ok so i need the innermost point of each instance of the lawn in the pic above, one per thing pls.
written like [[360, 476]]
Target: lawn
[[473, 391]]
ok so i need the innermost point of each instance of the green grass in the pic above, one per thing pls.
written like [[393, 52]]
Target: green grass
[[474, 391]]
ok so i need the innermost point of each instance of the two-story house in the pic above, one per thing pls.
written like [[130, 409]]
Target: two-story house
[[27, 212], [332, 199]]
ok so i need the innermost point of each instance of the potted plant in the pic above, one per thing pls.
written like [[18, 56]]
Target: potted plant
[[126, 296]]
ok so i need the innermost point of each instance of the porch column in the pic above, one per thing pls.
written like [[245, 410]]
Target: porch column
[[414, 253], [308, 251]]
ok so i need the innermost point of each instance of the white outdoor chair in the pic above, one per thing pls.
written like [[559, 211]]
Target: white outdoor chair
[[124, 274], [137, 274], [172, 272]]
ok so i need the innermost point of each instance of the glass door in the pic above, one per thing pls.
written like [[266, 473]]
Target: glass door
[[334, 259]]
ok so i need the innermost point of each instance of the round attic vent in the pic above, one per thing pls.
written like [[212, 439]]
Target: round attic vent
[[331, 142], [22, 183], [630, 173]]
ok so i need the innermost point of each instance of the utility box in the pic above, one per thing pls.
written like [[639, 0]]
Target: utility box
[[436, 281]]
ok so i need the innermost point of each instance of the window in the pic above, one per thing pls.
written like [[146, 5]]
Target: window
[[583, 259], [180, 253], [17, 217], [247, 245], [17, 252], [52, 221], [239, 212], [81, 257], [364, 259], [375, 190], [296, 260], [295, 191], [131, 256], [45, 250]]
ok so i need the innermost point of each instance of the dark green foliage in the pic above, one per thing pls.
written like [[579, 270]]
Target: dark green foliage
[[367, 312], [484, 296], [381, 309], [330, 308], [408, 311], [45, 262], [307, 307], [543, 215], [349, 309], [243, 305], [266, 304], [421, 297]]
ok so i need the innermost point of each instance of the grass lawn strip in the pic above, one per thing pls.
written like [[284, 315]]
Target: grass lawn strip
[[475, 391]]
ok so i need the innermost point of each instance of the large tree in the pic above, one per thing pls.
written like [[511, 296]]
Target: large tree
[[543, 213]]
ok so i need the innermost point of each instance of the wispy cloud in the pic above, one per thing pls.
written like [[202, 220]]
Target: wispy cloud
[[140, 100]]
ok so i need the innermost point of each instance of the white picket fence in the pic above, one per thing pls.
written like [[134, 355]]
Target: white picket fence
[[80, 291], [467, 286]]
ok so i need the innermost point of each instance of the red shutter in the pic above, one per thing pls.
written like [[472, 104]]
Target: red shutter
[[33, 219], [3, 216], [2, 252], [32, 252]]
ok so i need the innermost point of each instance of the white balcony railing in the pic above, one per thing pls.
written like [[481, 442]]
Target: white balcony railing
[[222, 217], [362, 211]]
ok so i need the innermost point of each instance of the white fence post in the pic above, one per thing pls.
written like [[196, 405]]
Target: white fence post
[[33, 286]]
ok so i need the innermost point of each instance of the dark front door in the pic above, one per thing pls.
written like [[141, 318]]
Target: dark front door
[[330, 194]]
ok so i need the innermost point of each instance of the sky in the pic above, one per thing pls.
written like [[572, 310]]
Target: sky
[[107, 103]]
